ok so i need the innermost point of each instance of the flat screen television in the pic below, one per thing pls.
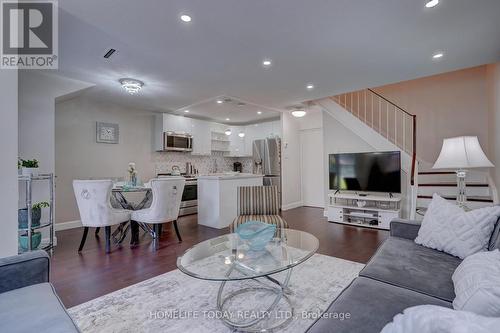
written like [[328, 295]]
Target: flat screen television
[[366, 172]]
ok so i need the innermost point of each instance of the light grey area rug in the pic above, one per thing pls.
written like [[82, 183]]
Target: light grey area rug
[[175, 302]]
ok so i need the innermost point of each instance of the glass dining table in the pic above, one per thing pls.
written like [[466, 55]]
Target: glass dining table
[[119, 199]]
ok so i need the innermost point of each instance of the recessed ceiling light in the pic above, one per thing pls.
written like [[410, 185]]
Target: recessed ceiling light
[[132, 86], [241, 134], [267, 62], [187, 111], [432, 3], [227, 119], [259, 112], [310, 86], [220, 101], [185, 18], [228, 132], [299, 113], [438, 55]]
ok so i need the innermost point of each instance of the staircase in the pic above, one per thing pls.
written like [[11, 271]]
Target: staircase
[[399, 127], [480, 189]]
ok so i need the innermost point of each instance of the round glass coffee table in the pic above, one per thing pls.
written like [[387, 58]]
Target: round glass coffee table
[[227, 258]]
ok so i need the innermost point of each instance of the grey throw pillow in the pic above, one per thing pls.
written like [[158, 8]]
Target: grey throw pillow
[[448, 228]]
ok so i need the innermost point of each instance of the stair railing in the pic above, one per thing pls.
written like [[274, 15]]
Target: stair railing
[[388, 119]]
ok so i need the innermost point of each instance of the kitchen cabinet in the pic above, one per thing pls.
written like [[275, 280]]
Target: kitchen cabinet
[[202, 136], [209, 135], [237, 143], [179, 124]]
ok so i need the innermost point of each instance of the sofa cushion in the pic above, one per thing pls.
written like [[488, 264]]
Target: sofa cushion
[[477, 284], [447, 227], [34, 309], [371, 305], [495, 237], [403, 263], [431, 318]]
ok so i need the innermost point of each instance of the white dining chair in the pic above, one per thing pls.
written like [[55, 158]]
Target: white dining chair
[[93, 200], [167, 196]]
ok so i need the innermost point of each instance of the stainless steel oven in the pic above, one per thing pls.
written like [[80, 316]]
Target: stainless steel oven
[[177, 141], [189, 203]]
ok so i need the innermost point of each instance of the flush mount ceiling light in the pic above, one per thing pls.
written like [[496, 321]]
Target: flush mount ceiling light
[[437, 55], [220, 101], [431, 3], [241, 135], [227, 119], [132, 86], [228, 132], [186, 111], [185, 18], [310, 86], [267, 63], [299, 113]]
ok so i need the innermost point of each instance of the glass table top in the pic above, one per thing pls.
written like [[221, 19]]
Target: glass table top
[[228, 258]]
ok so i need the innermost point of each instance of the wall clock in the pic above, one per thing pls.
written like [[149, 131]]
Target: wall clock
[[107, 133]]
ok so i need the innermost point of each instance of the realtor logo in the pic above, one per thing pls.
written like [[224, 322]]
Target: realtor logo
[[29, 34]]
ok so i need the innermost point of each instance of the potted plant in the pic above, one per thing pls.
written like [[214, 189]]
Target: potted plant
[[29, 167], [36, 215], [36, 239]]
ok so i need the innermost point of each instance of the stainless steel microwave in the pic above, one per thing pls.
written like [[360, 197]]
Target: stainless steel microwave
[[177, 141]]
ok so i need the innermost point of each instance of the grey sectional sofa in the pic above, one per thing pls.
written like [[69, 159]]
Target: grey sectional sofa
[[401, 274], [28, 302]]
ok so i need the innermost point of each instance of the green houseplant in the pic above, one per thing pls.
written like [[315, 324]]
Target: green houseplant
[[36, 215], [29, 167]]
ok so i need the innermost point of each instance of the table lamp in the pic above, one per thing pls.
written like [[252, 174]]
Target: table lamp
[[462, 153]]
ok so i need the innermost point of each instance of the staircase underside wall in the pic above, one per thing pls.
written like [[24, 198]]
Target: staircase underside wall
[[344, 133]]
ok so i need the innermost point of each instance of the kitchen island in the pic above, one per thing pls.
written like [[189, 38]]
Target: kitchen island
[[218, 197]]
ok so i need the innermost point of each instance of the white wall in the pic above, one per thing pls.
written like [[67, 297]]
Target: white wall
[[8, 167], [78, 156], [37, 97], [493, 76], [290, 165]]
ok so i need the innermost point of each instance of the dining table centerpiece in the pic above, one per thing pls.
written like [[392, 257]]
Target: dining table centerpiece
[[132, 172]]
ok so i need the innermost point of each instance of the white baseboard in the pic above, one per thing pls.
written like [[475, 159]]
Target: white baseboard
[[67, 225], [292, 205]]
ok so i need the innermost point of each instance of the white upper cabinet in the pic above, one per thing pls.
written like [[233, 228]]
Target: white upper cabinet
[[237, 143], [201, 132], [207, 134], [179, 124]]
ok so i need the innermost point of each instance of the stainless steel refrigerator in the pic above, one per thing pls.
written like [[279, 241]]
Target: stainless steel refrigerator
[[267, 161]]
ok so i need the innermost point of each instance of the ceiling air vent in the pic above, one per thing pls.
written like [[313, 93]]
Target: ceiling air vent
[[109, 53]]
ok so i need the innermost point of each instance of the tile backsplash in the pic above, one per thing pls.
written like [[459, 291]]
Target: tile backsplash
[[164, 161]]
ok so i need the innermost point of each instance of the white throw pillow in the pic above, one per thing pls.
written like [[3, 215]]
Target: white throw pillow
[[477, 284], [437, 319], [448, 228]]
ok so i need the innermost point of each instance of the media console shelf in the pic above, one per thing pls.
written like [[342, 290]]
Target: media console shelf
[[373, 211]]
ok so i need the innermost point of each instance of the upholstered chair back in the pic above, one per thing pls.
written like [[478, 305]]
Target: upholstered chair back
[[167, 196], [258, 200], [93, 200]]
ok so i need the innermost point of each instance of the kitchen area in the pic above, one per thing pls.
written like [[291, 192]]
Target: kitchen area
[[216, 158]]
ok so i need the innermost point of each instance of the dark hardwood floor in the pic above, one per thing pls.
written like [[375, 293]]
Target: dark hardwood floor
[[92, 273]]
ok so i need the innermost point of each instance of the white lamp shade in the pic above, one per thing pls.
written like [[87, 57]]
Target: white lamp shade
[[462, 152]]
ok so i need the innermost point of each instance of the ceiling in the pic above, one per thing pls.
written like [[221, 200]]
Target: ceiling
[[229, 110], [338, 46]]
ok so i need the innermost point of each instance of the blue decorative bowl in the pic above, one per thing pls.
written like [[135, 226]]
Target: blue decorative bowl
[[256, 233], [36, 239]]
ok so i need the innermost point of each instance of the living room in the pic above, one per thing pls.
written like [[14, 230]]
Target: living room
[[251, 167]]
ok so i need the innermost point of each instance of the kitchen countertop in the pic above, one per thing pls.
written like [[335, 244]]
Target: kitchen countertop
[[229, 176]]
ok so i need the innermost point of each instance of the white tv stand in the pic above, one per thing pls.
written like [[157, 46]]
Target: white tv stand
[[372, 211]]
